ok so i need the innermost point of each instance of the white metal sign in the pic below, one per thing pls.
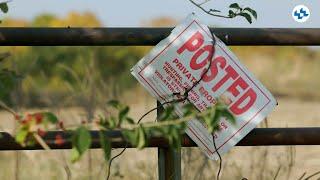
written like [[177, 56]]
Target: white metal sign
[[178, 61]]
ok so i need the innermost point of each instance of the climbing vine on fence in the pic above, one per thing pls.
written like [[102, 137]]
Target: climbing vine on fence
[[32, 127]]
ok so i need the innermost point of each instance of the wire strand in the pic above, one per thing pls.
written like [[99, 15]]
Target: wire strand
[[185, 95], [219, 155], [113, 158]]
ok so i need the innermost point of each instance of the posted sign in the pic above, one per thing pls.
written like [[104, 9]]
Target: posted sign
[[178, 61]]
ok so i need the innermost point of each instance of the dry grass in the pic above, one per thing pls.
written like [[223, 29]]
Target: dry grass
[[249, 162]]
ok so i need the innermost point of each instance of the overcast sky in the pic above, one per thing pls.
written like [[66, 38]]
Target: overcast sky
[[271, 13]]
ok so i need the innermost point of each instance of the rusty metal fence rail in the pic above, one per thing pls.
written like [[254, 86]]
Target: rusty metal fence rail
[[168, 161], [151, 36], [257, 137]]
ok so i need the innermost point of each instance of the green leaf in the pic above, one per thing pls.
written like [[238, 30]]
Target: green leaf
[[105, 145], [235, 6], [247, 16], [112, 122], [114, 103], [155, 131], [109, 123], [123, 114], [232, 14], [167, 114], [226, 113], [4, 7], [209, 121], [50, 117], [176, 139], [75, 155], [30, 141], [21, 136], [131, 136], [141, 138], [212, 121], [216, 116], [253, 12], [81, 141], [102, 121], [130, 120], [188, 109]]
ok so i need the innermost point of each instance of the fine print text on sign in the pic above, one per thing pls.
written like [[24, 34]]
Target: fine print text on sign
[[178, 61]]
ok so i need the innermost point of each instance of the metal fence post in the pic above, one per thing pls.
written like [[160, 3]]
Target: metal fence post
[[169, 161]]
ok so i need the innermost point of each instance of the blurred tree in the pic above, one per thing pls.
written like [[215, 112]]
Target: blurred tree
[[42, 66], [75, 19], [10, 22], [43, 20], [164, 21]]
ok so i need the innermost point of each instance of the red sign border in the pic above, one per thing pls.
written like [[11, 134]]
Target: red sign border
[[191, 129]]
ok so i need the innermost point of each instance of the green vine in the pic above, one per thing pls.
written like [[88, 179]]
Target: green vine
[[235, 10], [34, 126]]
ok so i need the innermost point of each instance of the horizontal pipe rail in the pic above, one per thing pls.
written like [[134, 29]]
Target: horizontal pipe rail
[[257, 137], [151, 36]]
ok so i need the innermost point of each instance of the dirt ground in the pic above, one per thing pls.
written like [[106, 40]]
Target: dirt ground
[[248, 162]]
